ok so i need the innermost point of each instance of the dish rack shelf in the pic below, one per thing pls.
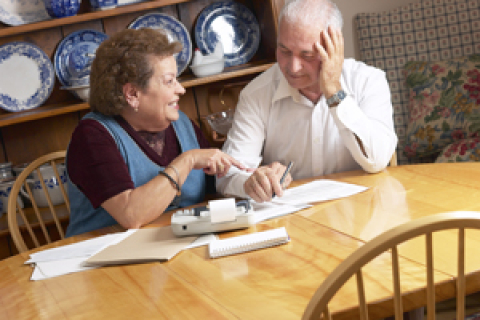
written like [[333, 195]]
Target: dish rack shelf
[[87, 16], [53, 110]]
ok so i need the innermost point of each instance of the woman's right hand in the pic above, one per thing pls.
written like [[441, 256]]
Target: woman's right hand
[[214, 161]]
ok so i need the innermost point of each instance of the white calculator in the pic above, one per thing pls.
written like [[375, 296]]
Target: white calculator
[[197, 220]]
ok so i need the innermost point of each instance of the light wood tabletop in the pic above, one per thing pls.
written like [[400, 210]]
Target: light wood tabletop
[[273, 283], [404, 193]]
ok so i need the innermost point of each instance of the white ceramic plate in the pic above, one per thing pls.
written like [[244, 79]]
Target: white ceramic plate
[[26, 76], [74, 56], [18, 12], [125, 2], [234, 25], [175, 29]]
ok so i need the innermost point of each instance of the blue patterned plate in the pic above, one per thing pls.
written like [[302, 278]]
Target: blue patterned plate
[[174, 28], [18, 12], [234, 25], [26, 76], [74, 56]]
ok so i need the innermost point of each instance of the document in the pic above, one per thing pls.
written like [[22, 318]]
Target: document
[[145, 245], [269, 210], [80, 249], [71, 258], [318, 190], [55, 268]]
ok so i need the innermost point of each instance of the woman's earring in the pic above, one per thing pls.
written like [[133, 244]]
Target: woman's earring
[[135, 106]]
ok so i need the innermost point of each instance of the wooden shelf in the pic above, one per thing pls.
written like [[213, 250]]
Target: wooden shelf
[[228, 73], [186, 81], [40, 113], [87, 16]]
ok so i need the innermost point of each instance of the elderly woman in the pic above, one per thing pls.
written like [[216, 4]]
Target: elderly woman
[[136, 155]]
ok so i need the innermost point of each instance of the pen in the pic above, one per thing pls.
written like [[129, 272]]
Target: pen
[[282, 179]]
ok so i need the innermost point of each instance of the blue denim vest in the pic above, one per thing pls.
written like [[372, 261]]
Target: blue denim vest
[[84, 217]]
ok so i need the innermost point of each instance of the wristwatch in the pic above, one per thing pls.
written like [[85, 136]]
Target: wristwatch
[[336, 98]]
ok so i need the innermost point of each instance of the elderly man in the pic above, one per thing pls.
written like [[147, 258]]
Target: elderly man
[[324, 113]]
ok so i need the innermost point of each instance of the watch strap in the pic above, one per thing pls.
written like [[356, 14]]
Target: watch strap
[[336, 98]]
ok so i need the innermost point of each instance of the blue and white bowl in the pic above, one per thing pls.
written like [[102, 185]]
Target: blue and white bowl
[[5, 188], [81, 91], [62, 8], [103, 4], [51, 183]]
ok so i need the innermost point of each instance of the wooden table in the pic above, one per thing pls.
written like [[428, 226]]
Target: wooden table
[[274, 283], [404, 193]]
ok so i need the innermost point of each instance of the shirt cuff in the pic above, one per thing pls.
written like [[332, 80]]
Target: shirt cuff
[[235, 186], [347, 114]]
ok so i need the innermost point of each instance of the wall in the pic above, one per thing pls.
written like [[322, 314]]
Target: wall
[[350, 8]]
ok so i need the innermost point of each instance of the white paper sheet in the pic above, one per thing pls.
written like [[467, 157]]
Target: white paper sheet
[[318, 190], [269, 210], [50, 269], [80, 249], [69, 258]]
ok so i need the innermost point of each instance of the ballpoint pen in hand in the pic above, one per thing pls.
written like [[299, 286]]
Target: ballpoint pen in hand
[[282, 179]]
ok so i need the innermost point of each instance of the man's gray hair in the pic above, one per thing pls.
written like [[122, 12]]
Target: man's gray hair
[[316, 13]]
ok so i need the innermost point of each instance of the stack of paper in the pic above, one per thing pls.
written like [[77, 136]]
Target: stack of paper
[[68, 259], [72, 258]]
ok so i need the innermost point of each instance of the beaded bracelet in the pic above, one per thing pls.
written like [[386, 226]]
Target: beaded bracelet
[[176, 172], [163, 173]]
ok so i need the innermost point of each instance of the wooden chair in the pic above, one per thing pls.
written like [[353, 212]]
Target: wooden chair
[[393, 160], [390, 240], [37, 222]]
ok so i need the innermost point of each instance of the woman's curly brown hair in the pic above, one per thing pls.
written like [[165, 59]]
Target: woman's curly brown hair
[[125, 58]]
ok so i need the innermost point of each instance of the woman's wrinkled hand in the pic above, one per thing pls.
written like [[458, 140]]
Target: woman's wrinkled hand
[[214, 161]]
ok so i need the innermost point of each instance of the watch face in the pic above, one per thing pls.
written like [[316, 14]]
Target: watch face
[[337, 97]]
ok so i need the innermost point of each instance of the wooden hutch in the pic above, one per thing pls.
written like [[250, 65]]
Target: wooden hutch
[[29, 134]]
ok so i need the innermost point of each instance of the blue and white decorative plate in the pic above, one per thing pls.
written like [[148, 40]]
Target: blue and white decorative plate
[[175, 29], [18, 12], [74, 56], [26, 76], [234, 25]]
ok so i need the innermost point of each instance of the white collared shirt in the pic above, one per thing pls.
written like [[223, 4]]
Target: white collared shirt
[[276, 122]]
